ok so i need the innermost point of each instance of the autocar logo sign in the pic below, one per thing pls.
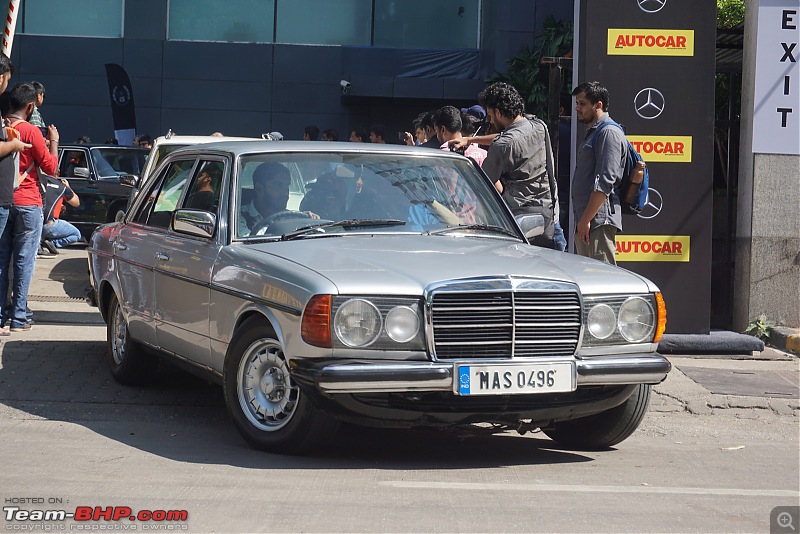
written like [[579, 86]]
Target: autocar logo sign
[[649, 103], [651, 6]]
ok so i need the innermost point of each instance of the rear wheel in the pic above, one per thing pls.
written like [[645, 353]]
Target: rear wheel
[[130, 363], [604, 429], [267, 407]]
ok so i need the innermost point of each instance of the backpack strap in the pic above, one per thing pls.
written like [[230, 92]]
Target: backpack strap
[[549, 166], [23, 175]]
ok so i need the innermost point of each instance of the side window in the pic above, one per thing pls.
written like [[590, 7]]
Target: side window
[[70, 160], [205, 189], [163, 197]]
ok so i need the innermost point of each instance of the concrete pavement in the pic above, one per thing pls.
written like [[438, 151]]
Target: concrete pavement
[[66, 348]]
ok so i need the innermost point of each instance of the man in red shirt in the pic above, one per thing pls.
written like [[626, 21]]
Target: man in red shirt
[[19, 241]]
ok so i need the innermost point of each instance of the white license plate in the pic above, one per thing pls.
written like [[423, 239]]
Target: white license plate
[[509, 379]]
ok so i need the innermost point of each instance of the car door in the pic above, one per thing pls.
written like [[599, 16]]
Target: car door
[[184, 264], [75, 165], [137, 244]]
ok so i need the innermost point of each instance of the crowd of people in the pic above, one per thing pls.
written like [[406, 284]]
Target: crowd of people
[[512, 148]]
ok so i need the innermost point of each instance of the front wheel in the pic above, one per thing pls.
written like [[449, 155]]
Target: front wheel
[[604, 429], [267, 407], [128, 360]]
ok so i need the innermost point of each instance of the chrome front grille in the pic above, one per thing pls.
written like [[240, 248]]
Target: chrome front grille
[[514, 322]]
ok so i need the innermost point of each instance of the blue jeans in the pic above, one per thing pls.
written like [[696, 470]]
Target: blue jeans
[[558, 237], [61, 233], [19, 243]]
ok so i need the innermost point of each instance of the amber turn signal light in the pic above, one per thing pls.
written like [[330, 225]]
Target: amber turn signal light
[[316, 324], [662, 318]]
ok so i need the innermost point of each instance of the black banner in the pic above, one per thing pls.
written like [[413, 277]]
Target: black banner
[[657, 59], [123, 109]]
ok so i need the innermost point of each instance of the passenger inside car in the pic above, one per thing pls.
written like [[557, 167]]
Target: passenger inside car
[[204, 193]]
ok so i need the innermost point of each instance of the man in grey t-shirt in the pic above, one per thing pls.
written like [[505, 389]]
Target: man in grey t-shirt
[[517, 159], [598, 170]]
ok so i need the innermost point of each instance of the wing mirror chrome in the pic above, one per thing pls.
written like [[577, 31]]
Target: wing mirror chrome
[[531, 225]]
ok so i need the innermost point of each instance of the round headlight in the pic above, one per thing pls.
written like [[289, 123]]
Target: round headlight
[[357, 323], [402, 324], [601, 321], [636, 320]]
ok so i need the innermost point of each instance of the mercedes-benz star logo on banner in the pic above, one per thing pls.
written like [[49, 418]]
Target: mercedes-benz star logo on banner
[[649, 103], [654, 205], [651, 6]]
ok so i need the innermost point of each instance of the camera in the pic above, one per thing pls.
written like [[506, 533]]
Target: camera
[[345, 87], [402, 136]]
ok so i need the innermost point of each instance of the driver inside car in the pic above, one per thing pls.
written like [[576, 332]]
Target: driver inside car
[[271, 182]]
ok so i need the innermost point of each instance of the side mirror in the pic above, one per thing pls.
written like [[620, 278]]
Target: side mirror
[[81, 172], [129, 180], [196, 223], [531, 225]]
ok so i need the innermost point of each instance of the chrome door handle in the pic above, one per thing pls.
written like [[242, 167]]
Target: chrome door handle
[[162, 256]]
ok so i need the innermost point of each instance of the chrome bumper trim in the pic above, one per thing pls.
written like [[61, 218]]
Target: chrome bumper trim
[[372, 377]]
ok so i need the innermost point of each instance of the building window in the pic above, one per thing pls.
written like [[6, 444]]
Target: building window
[[448, 24], [78, 18], [232, 21], [323, 22]]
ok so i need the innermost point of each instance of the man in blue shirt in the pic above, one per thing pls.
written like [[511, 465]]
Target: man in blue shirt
[[599, 166]]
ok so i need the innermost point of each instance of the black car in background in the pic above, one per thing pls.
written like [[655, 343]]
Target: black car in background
[[94, 173]]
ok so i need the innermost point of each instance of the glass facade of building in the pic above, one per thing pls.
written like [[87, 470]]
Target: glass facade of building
[[443, 24]]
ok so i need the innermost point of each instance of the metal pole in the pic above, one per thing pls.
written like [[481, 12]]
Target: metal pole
[[11, 23]]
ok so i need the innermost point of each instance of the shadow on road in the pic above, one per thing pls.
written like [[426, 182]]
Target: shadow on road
[[183, 418]]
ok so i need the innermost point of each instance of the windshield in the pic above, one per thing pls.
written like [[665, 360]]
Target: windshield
[[279, 193], [118, 161]]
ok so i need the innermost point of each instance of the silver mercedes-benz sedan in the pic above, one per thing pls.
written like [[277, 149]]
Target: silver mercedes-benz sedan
[[379, 285]]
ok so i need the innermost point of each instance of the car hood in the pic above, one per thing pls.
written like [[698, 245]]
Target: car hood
[[406, 264]]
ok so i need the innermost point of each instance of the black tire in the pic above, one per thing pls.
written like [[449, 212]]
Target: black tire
[[266, 406], [604, 429], [128, 360]]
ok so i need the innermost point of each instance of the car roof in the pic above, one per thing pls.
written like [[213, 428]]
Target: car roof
[[263, 145], [99, 145], [195, 139]]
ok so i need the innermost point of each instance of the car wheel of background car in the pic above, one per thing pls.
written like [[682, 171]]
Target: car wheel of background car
[[130, 363], [115, 212], [604, 429], [266, 406], [285, 214]]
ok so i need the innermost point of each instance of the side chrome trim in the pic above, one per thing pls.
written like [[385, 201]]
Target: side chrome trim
[[372, 377], [255, 298]]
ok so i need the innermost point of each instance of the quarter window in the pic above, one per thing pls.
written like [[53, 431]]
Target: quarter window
[[71, 160], [163, 198], [205, 190]]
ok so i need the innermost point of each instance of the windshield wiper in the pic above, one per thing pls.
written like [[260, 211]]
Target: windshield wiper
[[487, 227], [346, 224]]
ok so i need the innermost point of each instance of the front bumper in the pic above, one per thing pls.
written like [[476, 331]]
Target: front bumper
[[350, 376]]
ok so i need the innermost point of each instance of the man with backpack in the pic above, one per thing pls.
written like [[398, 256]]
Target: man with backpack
[[599, 169]]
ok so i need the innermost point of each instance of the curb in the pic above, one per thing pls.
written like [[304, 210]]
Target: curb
[[783, 338]]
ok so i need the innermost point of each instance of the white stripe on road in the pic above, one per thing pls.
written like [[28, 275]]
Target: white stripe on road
[[406, 484]]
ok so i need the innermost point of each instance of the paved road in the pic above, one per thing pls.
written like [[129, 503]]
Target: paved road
[[702, 461]]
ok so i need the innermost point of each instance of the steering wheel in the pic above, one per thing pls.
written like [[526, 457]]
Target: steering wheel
[[261, 226]]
